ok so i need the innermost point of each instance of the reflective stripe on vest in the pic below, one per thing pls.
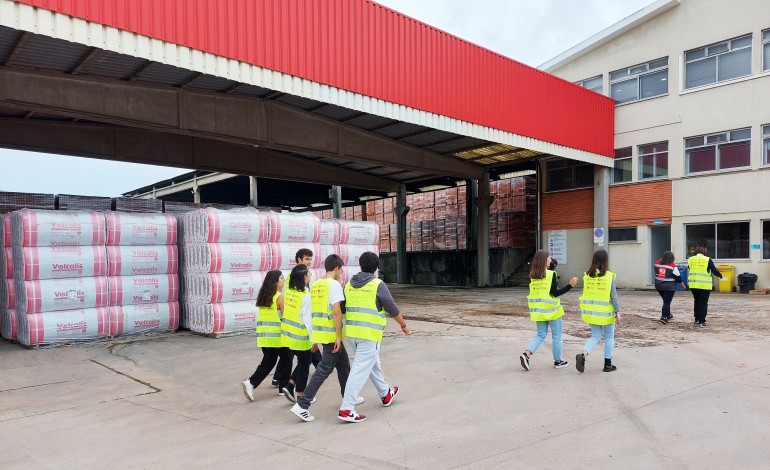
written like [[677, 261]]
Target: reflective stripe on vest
[[543, 307], [294, 334], [323, 316], [362, 319], [698, 276], [269, 325], [595, 305]]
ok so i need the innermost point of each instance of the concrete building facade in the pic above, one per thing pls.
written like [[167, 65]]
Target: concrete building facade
[[691, 80]]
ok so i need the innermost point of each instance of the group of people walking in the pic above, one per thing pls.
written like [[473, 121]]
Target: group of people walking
[[298, 320], [599, 306]]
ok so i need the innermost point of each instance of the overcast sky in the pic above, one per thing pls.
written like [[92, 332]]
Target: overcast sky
[[529, 31]]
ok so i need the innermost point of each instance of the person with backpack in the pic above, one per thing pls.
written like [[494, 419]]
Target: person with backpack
[[667, 276]]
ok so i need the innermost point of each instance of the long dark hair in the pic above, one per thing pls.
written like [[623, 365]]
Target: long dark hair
[[667, 258], [600, 262], [538, 265], [297, 277], [268, 289]]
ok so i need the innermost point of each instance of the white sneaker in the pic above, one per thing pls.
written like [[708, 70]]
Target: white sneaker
[[248, 390], [302, 413], [360, 400], [312, 401]]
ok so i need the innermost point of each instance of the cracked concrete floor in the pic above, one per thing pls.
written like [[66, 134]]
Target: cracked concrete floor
[[681, 398]]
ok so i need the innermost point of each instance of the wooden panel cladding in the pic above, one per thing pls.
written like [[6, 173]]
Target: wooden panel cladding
[[640, 203], [567, 210]]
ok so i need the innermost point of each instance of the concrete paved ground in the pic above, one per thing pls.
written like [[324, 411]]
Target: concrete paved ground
[[465, 402]]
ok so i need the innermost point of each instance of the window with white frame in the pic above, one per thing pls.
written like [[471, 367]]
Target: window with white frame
[[718, 62], [653, 160], [640, 81], [723, 240], [766, 50], [766, 144], [593, 83], [721, 151], [622, 171]]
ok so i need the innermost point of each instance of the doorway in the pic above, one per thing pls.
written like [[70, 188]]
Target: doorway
[[660, 241]]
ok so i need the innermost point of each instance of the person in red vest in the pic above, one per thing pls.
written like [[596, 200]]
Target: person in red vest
[[667, 276]]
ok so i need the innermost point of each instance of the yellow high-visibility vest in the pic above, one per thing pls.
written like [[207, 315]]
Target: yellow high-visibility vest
[[698, 276], [294, 334], [362, 319], [542, 306], [323, 315], [595, 305], [269, 325]]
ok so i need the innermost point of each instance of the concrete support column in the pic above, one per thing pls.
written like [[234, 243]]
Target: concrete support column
[[335, 195], [602, 203], [401, 209], [253, 199], [483, 201], [471, 193]]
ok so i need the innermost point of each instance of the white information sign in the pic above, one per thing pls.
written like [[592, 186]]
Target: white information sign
[[557, 245]]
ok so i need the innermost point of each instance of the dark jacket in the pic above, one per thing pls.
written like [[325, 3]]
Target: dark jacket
[[666, 276]]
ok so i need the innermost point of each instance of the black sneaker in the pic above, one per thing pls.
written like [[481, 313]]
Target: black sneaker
[[288, 392], [670, 317], [663, 320], [610, 368], [580, 362], [274, 383], [702, 324], [560, 364], [524, 359]]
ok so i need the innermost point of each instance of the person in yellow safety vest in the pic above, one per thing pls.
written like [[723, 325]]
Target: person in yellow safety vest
[[326, 297], [545, 308], [269, 308], [368, 303], [303, 256], [600, 309], [700, 270], [296, 326]]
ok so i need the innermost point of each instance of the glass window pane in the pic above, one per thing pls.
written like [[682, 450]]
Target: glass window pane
[[766, 35], [646, 167], [732, 240], [693, 142], [584, 176], [627, 90], [593, 82], [766, 56], [716, 138], [701, 72], [766, 239], [766, 130], [700, 235], [638, 69], [696, 54], [654, 84], [740, 42], [622, 234], [734, 155], [766, 152], [740, 134], [655, 64], [661, 164], [623, 153], [717, 48], [560, 179], [701, 160], [735, 64], [618, 74], [622, 171], [555, 164]]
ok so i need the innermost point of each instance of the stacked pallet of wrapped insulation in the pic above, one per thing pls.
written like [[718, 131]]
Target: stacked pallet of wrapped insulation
[[8, 322], [142, 273], [224, 256], [290, 232], [356, 238], [59, 270]]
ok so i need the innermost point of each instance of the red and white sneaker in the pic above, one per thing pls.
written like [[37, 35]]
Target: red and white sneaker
[[350, 416], [387, 400]]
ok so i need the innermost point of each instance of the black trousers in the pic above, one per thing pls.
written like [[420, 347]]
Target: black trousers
[[301, 372], [329, 362], [315, 358], [269, 357], [701, 298], [667, 296]]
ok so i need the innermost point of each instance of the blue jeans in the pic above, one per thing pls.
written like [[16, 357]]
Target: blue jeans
[[597, 331], [542, 332]]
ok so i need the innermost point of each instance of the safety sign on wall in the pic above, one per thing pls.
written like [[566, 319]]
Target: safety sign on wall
[[557, 245], [599, 235]]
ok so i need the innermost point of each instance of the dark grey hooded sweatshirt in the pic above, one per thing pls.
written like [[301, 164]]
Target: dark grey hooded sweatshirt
[[384, 298]]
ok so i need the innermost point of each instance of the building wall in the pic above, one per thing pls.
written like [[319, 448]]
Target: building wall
[[722, 196]]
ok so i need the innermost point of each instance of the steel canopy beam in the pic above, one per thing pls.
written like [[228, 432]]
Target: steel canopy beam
[[158, 148], [243, 120]]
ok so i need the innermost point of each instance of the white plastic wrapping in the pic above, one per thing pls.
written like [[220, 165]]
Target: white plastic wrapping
[[8, 323], [146, 289], [137, 319], [225, 257], [66, 326], [6, 258], [294, 227], [218, 226], [330, 232], [7, 293], [57, 228], [136, 260], [57, 262], [283, 254], [230, 317], [49, 295], [212, 288], [351, 253], [5, 230], [140, 229], [358, 233]]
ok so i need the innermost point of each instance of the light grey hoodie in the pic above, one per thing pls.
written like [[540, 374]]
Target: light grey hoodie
[[384, 298]]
